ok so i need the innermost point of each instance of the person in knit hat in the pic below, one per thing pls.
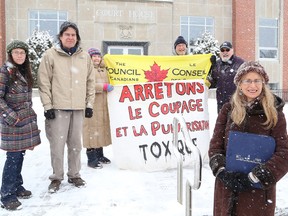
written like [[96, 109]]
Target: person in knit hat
[[19, 129], [94, 51], [180, 46], [248, 67], [253, 109], [66, 81], [96, 130], [17, 44]]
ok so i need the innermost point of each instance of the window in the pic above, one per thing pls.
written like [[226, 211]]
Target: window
[[144, 0], [273, 86], [192, 27], [46, 20], [124, 48], [268, 38]]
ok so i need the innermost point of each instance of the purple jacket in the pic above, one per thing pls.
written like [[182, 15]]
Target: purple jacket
[[222, 78]]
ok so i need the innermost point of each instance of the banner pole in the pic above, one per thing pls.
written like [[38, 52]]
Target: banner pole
[[188, 199], [197, 164], [179, 162]]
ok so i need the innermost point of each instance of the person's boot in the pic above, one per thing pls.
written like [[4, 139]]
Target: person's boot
[[101, 158], [24, 194], [93, 159], [54, 186], [77, 182], [12, 205]]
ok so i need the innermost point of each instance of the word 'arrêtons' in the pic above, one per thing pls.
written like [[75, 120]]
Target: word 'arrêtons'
[[157, 90]]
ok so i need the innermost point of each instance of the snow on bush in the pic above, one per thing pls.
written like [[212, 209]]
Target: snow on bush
[[205, 44], [38, 43]]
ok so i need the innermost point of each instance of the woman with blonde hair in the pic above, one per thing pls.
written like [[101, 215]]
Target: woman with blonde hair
[[253, 109]]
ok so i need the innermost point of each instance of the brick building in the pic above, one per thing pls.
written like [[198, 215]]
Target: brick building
[[257, 28]]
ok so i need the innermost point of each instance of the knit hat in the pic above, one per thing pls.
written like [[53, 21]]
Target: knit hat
[[250, 66], [226, 44], [16, 44], [180, 40], [94, 51]]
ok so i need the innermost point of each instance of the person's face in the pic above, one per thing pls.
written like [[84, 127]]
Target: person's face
[[18, 55], [225, 54], [251, 85], [69, 38], [96, 59], [180, 49]]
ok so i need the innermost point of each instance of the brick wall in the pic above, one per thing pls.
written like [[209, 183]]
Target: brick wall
[[285, 45], [243, 25]]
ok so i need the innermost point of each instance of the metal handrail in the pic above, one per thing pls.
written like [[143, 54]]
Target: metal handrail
[[197, 164]]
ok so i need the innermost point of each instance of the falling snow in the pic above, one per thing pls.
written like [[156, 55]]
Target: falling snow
[[111, 191]]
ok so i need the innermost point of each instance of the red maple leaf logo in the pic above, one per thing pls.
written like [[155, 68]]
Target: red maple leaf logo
[[156, 74]]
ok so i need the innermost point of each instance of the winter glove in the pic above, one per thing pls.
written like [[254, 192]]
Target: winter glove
[[213, 60], [236, 181], [264, 175], [107, 87], [244, 183], [217, 162], [88, 113], [49, 114]]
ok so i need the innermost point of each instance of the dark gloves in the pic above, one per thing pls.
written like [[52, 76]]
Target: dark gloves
[[216, 162], [88, 113], [49, 114], [213, 60], [265, 176], [236, 181]]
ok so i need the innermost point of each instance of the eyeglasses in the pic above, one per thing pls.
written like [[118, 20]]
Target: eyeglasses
[[225, 50], [19, 53], [249, 82]]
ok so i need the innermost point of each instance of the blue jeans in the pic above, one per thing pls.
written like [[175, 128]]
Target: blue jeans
[[11, 178]]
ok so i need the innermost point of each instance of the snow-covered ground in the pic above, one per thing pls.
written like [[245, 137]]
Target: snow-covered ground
[[111, 191]]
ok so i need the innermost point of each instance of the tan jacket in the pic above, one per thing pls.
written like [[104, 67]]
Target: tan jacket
[[66, 82], [96, 130]]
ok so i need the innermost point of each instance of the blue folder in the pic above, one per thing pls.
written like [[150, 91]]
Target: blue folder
[[247, 150]]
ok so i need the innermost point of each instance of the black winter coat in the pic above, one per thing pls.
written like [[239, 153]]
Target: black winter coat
[[222, 78]]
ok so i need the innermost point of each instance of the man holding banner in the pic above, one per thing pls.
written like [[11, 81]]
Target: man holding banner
[[180, 46], [223, 73]]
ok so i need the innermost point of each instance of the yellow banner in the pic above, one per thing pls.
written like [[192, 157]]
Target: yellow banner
[[135, 69]]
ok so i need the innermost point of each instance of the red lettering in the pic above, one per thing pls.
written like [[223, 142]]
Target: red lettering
[[158, 91], [125, 94], [150, 109], [138, 89], [169, 89], [175, 107]]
